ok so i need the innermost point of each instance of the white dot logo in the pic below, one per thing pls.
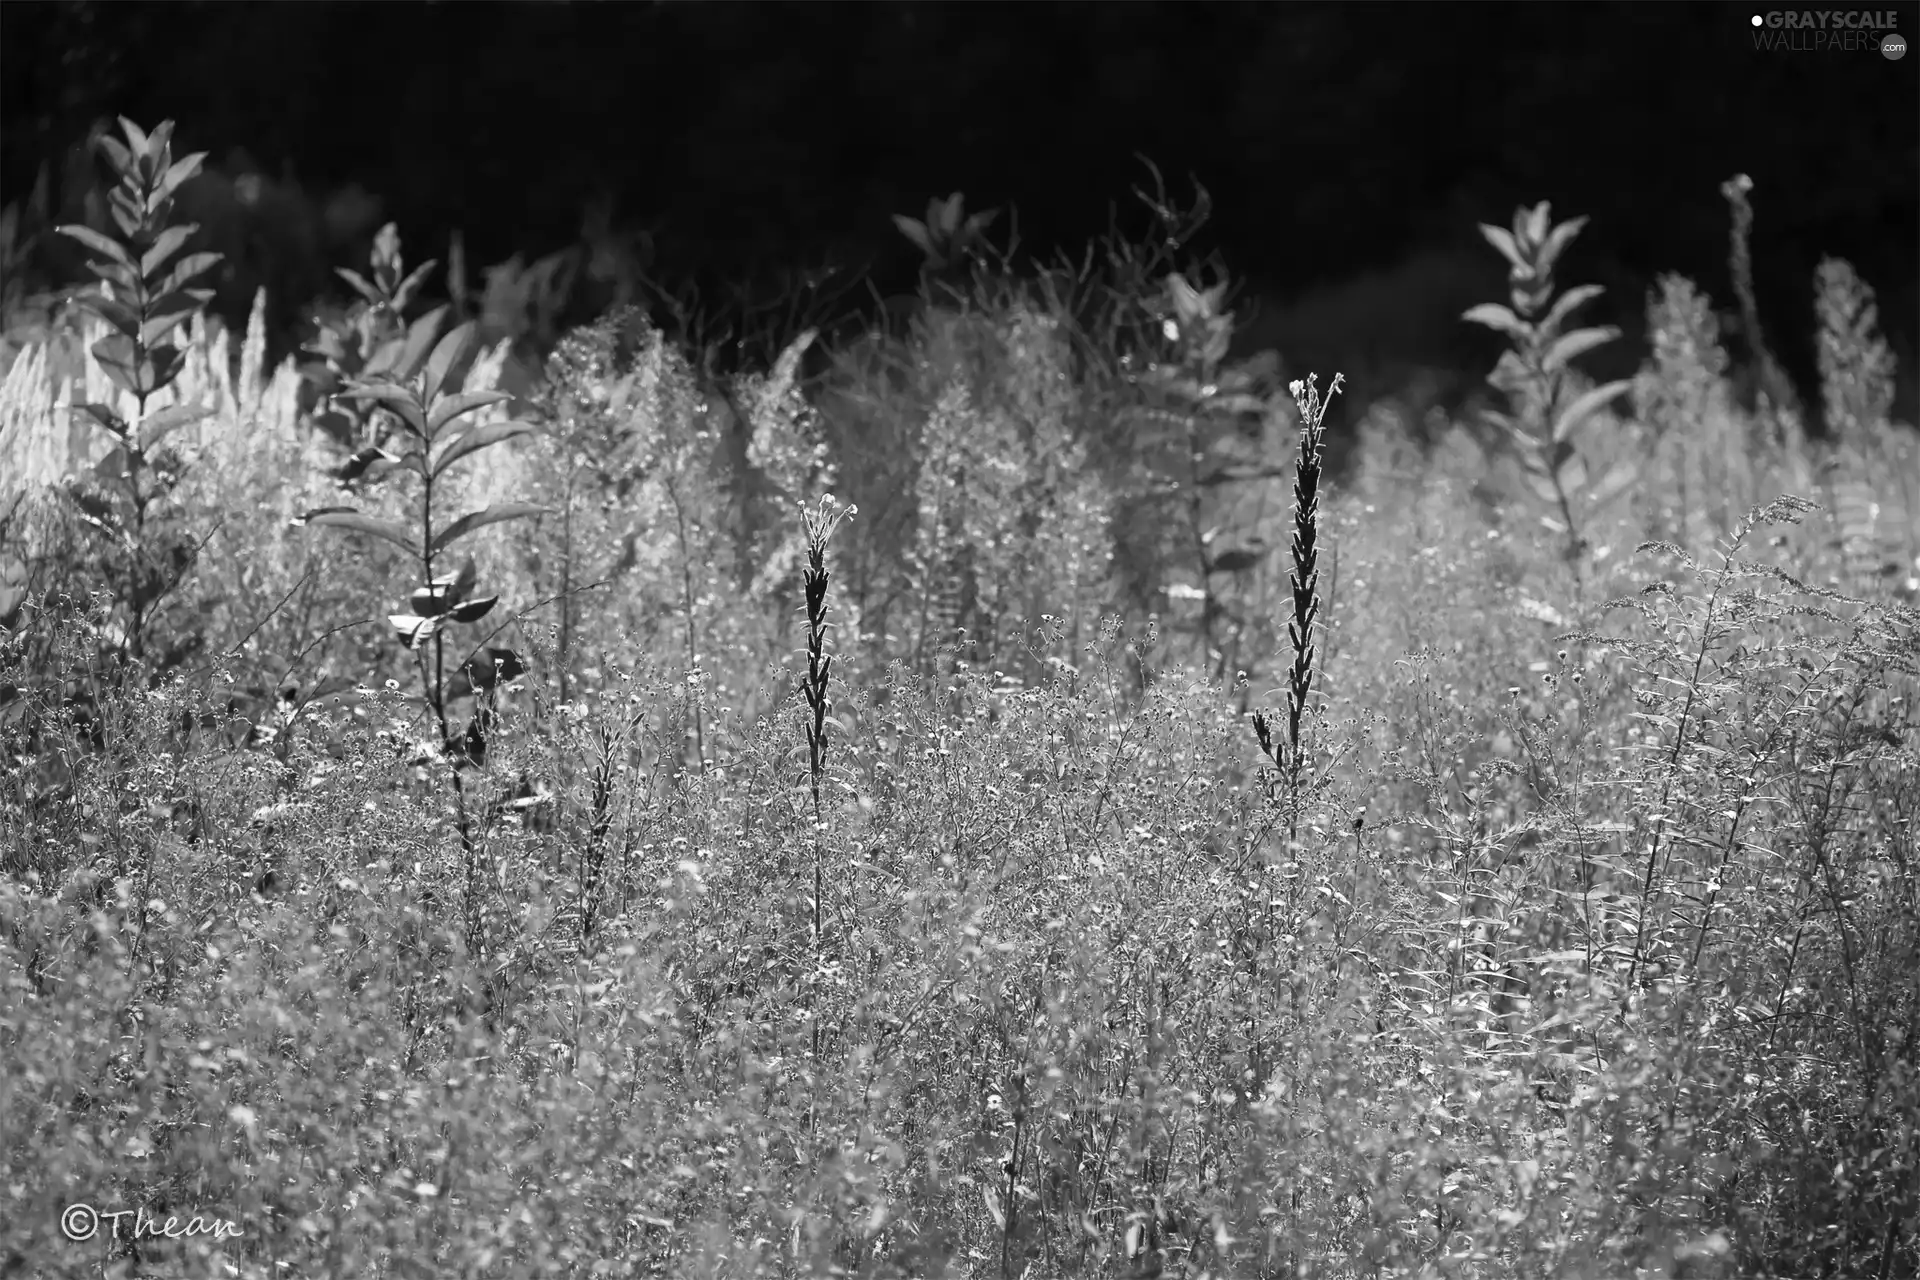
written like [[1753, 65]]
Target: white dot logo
[[1758, 20]]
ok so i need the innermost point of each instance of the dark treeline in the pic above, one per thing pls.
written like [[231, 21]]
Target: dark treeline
[[1333, 137]]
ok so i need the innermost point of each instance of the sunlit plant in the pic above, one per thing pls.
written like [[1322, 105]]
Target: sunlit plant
[[143, 299], [1546, 407], [420, 391]]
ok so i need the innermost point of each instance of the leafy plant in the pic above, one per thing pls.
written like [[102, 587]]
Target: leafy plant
[[420, 391], [1873, 479], [1682, 397], [949, 237], [1547, 407], [366, 345], [125, 500], [596, 461], [1007, 521], [1195, 391]]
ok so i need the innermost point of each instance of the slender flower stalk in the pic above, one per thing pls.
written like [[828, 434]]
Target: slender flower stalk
[[1305, 580], [821, 521]]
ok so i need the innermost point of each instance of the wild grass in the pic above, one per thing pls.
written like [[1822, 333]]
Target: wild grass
[[1571, 934]]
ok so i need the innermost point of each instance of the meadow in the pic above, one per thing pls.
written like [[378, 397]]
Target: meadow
[[1012, 792]]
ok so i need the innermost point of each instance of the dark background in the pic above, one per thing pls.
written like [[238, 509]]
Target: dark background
[[1333, 137]]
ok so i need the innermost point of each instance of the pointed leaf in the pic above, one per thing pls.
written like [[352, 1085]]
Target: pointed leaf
[[127, 215], [447, 408], [446, 354], [916, 231], [1499, 318], [105, 416], [161, 423], [474, 610], [1571, 346], [119, 159], [118, 315], [160, 142], [1565, 304], [117, 357], [165, 315], [1537, 223], [1586, 406], [1557, 241], [1505, 421], [398, 399], [404, 291], [165, 245], [950, 216], [419, 343], [137, 140], [1502, 239], [100, 244], [476, 439], [186, 269], [359, 284], [362, 462], [495, 514], [412, 631], [358, 522], [460, 585], [183, 169]]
